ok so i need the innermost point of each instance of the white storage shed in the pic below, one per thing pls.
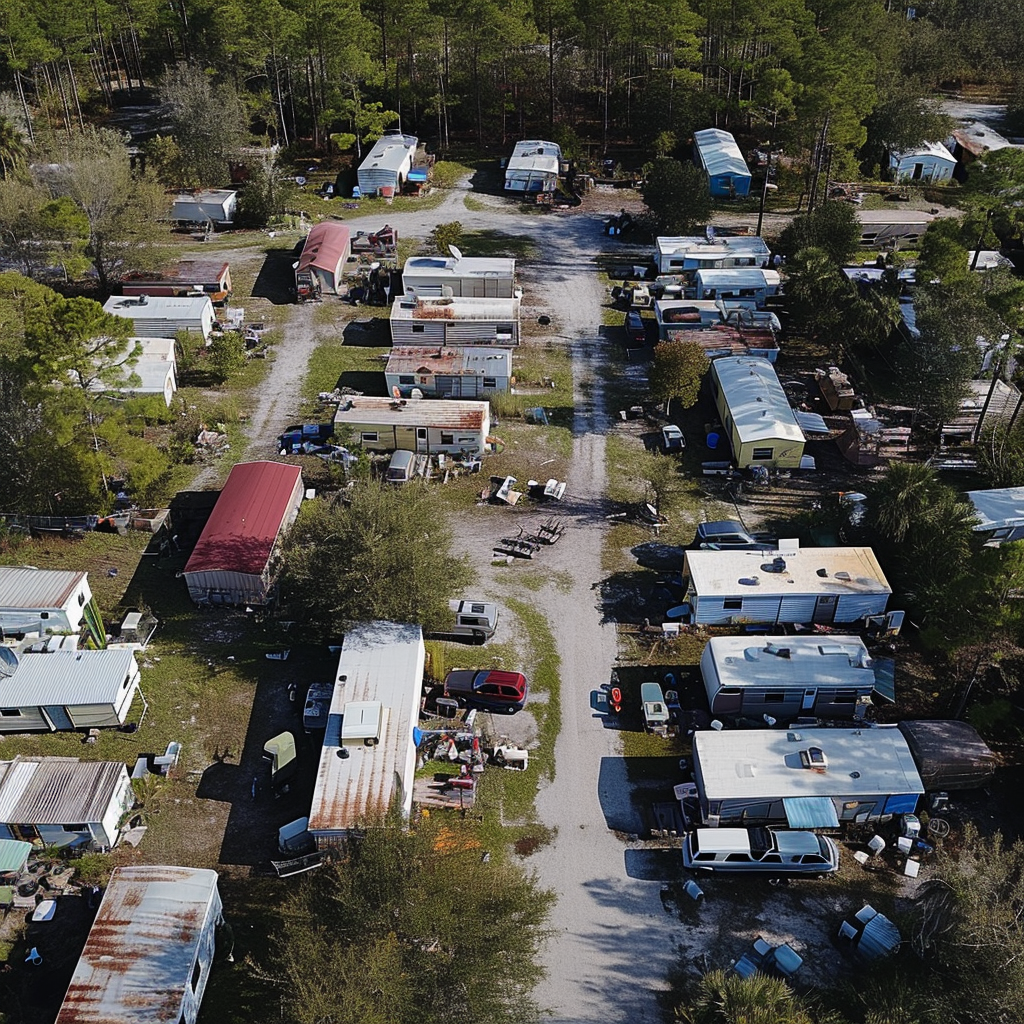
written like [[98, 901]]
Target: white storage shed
[[368, 760], [534, 166], [791, 585]]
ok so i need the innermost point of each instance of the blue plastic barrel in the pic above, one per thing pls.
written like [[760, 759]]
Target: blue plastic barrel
[[713, 441]]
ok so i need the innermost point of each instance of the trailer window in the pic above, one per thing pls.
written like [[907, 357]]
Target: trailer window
[[763, 454], [738, 858], [845, 697], [447, 438], [729, 691], [10, 713], [733, 604], [368, 435], [406, 378], [418, 328], [490, 382], [775, 698]]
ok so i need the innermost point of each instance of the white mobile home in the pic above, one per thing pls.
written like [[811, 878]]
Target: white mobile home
[[386, 167], [716, 153], [680, 254], [533, 167], [68, 690], [213, 207], [806, 778], [230, 564], [749, 285], [150, 949], [162, 316], [791, 676], [416, 425], [41, 601], [153, 373], [417, 320], [755, 413], [880, 228], [930, 162], [368, 761], [461, 372], [473, 277], [793, 585], [1000, 514], [61, 801]]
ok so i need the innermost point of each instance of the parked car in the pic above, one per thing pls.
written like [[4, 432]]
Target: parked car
[[488, 689], [317, 706], [672, 439], [401, 468], [760, 850], [635, 330], [729, 534]]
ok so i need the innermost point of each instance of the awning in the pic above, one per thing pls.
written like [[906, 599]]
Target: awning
[[885, 679], [13, 854], [810, 422], [810, 812]]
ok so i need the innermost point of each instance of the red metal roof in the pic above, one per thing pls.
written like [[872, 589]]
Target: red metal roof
[[326, 246], [252, 507]]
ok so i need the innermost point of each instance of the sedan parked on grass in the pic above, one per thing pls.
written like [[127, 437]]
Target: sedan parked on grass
[[488, 689], [729, 534]]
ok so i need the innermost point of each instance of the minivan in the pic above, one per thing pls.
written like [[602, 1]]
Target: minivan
[[400, 468], [760, 850]]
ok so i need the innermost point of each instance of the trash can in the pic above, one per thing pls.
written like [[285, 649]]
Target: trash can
[[713, 440]]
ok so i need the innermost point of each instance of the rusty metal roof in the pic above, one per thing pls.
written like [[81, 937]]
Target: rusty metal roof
[[454, 308], [387, 412], [57, 790], [380, 662], [138, 960], [25, 588], [462, 359]]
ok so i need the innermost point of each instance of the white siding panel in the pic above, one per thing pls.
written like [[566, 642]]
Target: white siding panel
[[798, 608], [851, 607]]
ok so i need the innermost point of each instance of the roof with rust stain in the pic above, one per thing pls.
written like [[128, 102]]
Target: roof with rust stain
[[138, 960], [387, 412], [380, 662]]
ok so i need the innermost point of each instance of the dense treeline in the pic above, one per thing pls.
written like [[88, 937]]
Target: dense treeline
[[807, 72]]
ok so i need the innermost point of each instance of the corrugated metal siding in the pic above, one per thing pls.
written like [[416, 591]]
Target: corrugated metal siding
[[219, 587], [798, 608], [93, 716], [852, 607], [56, 790], [402, 332], [70, 677], [712, 610]]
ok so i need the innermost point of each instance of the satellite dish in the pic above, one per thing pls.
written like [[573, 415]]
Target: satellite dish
[[8, 662], [455, 251]]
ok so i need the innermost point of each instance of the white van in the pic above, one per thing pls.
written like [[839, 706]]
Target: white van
[[400, 468], [760, 850]]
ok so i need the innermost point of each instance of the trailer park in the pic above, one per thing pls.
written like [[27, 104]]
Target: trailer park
[[173, 730]]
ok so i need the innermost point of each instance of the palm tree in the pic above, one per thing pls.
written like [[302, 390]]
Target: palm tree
[[722, 998], [12, 146], [900, 498]]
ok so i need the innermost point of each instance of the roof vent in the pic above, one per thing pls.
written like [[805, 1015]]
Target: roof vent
[[814, 758], [823, 573], [844, 576], [361, 722], [749, 581]]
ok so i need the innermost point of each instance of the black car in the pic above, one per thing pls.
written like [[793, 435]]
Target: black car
[[730, 535]]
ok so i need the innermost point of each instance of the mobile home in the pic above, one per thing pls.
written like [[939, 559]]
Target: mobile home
[[67, 690], [35, 602], [189, 277], [417, 320], [230, 565], [791, 676], [368, 760], [682, 254], [162, 316], [416, 425], [533, 167], [61, 801], [795, 585], [749, 285], [212, 207], [321, 264], [460, 372], [473, 277], [154, 371], [806, 778], [883, 228], [1000, 514], [386, 167], [930, 162], [716, 153], [150, 949], [755, 413]]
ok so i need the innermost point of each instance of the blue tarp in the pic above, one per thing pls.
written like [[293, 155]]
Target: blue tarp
[[810, 812]]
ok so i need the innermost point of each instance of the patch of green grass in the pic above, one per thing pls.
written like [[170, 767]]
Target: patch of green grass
[[488, 242], [332, 360], [448, 173], [475, 205]]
